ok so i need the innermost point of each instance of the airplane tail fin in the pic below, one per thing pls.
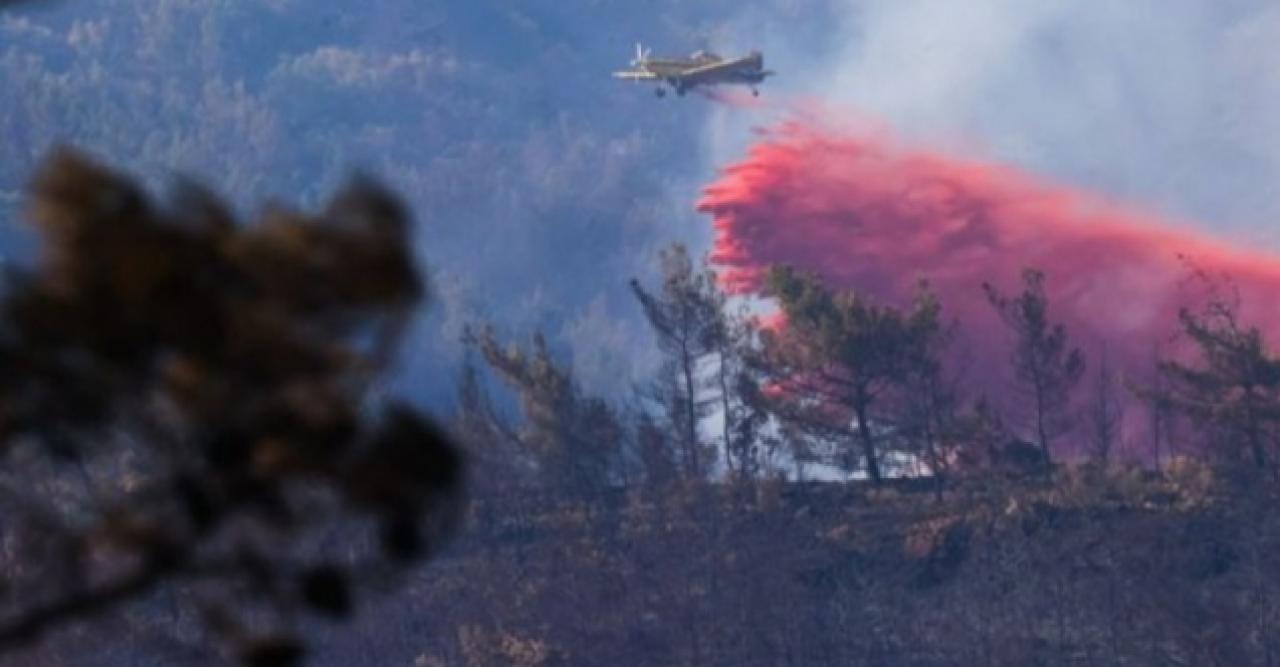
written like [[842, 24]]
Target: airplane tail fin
[[757, 59]]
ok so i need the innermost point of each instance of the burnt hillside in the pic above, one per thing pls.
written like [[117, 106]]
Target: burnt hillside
[[1127, 568]]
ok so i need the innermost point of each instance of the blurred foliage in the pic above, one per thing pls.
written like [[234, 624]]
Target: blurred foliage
[[190, 403]]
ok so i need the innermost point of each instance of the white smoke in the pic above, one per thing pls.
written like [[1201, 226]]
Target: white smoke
[[1173, 105]]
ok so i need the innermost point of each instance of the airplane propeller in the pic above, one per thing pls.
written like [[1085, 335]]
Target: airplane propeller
[[642, 54]]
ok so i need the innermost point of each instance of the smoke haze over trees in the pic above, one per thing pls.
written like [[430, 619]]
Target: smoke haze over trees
[[911, 407], [499, 119]]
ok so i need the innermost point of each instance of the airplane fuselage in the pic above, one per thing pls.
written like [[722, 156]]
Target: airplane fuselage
[[699, 69]]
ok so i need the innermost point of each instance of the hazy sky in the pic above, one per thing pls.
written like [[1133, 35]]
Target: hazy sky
[[1170, 104], [543, 185]]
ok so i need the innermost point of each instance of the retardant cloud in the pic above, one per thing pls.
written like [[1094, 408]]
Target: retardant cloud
[[865, 212], [1166, 104]]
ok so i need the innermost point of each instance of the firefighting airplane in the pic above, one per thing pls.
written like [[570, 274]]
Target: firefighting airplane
[[703, 68]]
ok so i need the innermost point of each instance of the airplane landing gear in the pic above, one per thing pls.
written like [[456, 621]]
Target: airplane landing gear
[[660, 91]]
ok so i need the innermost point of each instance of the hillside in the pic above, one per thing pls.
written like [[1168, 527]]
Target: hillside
[[401, 333], [1091, 570]]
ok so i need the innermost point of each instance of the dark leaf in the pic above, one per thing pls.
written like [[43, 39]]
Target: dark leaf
[[325, 589], [200, 508], [274, 652], [402, 538]]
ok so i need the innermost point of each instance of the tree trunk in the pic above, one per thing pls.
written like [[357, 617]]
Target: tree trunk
[[1157, 421], [691, 425], [868, 445], [933, 429], [935, 466], [1253, 434], [724, 407], [1042, 432]]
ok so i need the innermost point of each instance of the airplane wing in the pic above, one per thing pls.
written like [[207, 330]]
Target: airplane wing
[[711, 71], [635, 75]]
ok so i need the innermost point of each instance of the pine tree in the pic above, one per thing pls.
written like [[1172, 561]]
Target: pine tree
[[574, 439], [488, 441], [836, 359], [1046, 367], [928, 398], [1106, 413], [1233, 391], [687, 317]]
